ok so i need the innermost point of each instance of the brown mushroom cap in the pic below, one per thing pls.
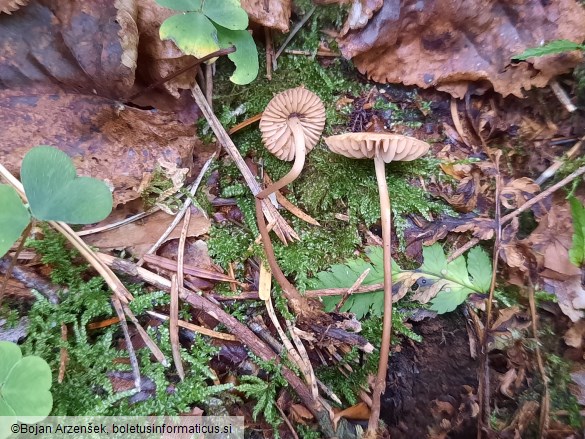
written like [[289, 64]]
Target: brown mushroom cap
[[387, 146], [296, 102]]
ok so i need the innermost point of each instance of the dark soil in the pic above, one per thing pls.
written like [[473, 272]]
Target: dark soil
[[424, 376]]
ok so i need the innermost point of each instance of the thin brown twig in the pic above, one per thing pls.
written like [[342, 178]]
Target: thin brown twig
[[562, 96], [197, 328], [8, 273], [245, 123], [552, 169], [174, 326], [291, 35], [484, 382], [352, 289], [287, 422], [545, 402], [209, 85], [269, 52], [193, 65], [257, 346]]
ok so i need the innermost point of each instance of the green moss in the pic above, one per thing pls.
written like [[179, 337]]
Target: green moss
[[94, 356]]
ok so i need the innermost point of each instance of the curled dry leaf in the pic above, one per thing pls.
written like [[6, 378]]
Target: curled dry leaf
[[160, 58], [440, 44], [115, 145], [359, 14], [55, 43], [517, 192], [274, 14]]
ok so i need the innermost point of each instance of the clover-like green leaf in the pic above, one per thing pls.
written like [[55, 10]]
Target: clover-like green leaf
[[192, 32], [245, 57], [14, 218], [25, 385], [56, 193], [226, 13], [182, 5]]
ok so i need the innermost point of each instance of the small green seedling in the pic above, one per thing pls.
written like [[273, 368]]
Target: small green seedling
[[25, 385], [54, 192], [206, 26]]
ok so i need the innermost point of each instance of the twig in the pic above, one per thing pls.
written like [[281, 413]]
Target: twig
[[196, 328], [120, 223], [287, 422], [552, 169], [269, 52], [506, 218], [233, 325], [545, 402], [283, 230], [209, 85], [308, 53], [562, 96], [245, 123], [354, 287], [291, 35], [169, 264], [181, 71], [180, 213], [8, 273], [484, 382], [341, 291], [174, 326]]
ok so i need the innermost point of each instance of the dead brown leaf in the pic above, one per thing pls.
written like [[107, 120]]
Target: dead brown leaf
[[300, 414], [358, 412], [575, 335], [440, 44], [517, 192], [137, 237], [270, 13], [570, 294]]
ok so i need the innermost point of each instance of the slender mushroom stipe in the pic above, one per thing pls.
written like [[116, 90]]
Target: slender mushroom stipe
[[291, 126], [383, 148]]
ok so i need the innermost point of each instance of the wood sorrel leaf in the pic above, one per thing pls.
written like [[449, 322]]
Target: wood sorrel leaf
[[14, 218], [56, 193]]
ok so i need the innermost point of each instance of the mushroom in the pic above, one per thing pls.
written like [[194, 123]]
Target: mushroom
[[291, 126], [383, 148]]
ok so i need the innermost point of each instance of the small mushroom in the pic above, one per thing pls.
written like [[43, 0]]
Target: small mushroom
[[291, 126], [383, 148]]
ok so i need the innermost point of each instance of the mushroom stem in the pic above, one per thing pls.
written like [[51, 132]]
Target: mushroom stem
[[380, 384], [300, 152]]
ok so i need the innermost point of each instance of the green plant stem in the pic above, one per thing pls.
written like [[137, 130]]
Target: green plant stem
[[14, 258], [300, 153], [386, 218]]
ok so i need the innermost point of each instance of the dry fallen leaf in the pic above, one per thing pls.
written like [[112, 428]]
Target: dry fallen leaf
[[139, 236], [438, 43], [575, 335], [270, 13]]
